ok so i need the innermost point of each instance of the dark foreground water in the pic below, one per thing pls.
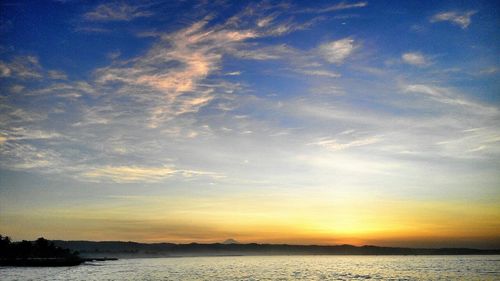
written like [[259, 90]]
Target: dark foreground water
[[273, 268]]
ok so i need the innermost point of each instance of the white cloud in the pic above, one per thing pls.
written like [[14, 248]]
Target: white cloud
[[233, 73], [265, 53], [336, 7], [177, 86], [336, 145], [72, 90], [473, 143], [450, 97], [263, 22], [114, 55], [4, 70], [318, 72], [57, 75], [489, 70], [337, 51], [425, 89], [12, 116], [20, 133], [171, 73], [128, 174], [437, 133], [196, 49], [415, 58], [21, 67], [24, 156], [173, 77], [167, 86], [96, 115], [16, 89], [116, 12], [462, 19]]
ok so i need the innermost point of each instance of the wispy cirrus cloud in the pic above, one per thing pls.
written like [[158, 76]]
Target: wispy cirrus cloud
[[334, 144], [116, 11], [168, 84], [66, 89], [488, 70], [175, 66], [448, 96], [441, 131], [337, 7], [319, 72], [460, 18], [180, 99], [274, 52], [128, 174], [25, 156], [21, 133]]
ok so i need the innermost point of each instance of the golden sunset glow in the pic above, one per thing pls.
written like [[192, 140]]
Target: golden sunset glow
[[268, 219]]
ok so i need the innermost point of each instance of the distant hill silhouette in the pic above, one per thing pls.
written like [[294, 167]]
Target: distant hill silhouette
[[134, 249]]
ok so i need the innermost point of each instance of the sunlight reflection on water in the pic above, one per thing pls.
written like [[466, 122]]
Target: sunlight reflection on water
[[273, 268]]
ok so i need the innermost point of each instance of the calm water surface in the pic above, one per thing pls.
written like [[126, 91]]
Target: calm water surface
[[273, 268]]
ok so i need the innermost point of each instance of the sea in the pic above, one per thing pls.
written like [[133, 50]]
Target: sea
[[271, 268]]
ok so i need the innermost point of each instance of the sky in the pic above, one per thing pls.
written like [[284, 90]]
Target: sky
[[303, 122]]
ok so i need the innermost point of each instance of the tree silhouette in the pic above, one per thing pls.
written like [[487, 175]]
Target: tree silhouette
[[40, 248]]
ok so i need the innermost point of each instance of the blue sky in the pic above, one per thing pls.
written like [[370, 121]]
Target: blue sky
[[380, 119]]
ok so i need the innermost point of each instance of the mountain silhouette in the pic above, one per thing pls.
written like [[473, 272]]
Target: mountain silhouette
[[230, 241], [133, 249]]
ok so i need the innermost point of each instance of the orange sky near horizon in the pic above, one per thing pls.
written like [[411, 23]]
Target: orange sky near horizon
[[265, 219]]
